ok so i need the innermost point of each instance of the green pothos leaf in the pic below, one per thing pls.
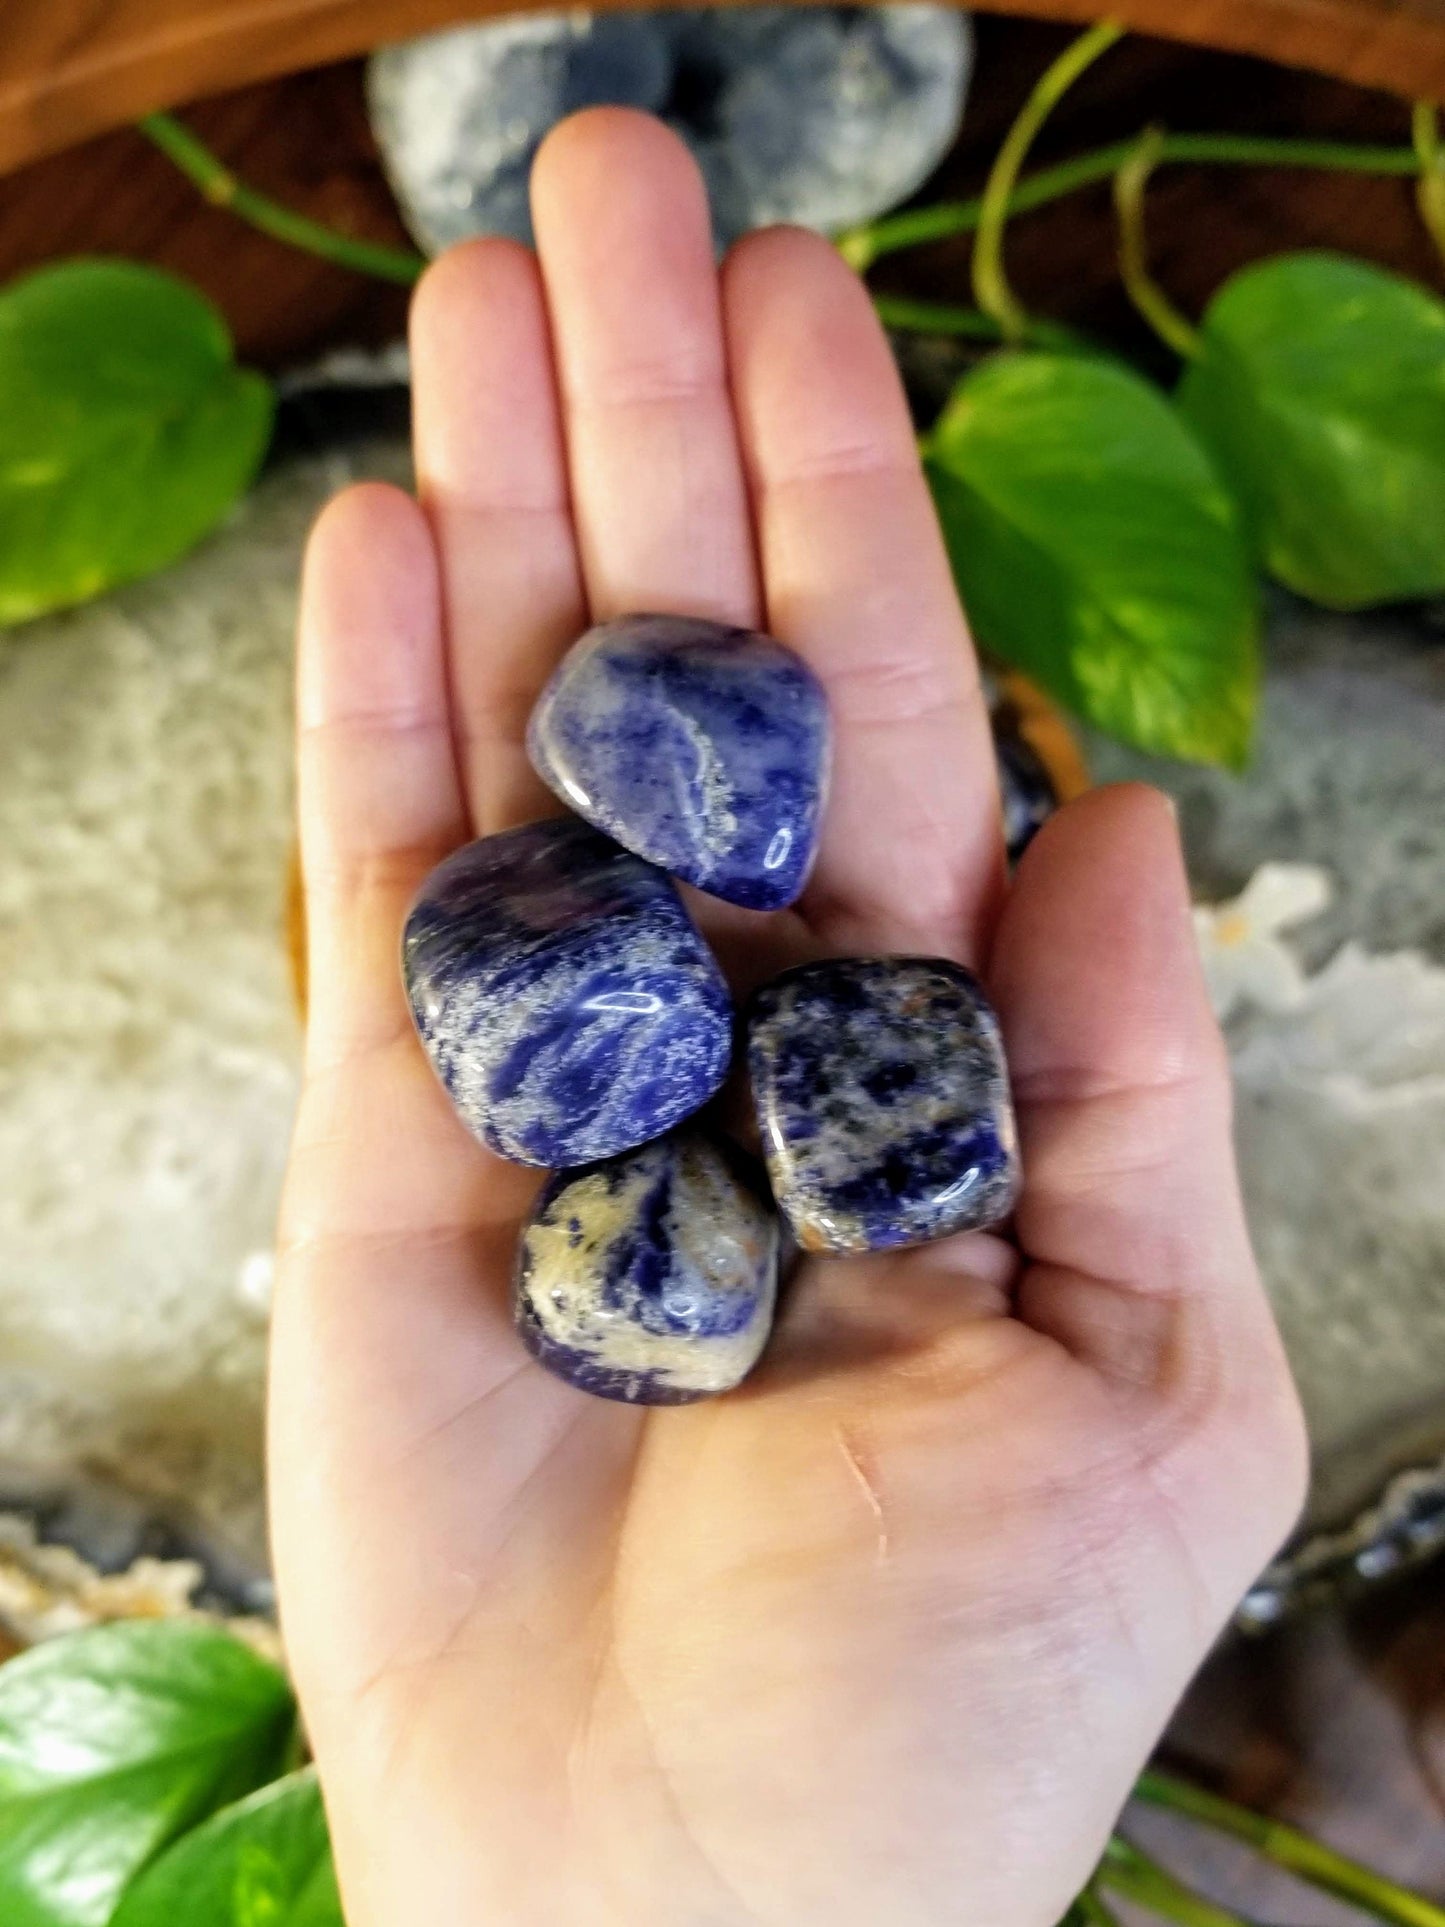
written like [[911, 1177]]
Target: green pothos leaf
[[1096, 549], [113, 1742], [1320, 389], [126, 429], [265, 1862]]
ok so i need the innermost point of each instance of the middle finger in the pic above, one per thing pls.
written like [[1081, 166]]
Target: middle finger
[[658, 493]]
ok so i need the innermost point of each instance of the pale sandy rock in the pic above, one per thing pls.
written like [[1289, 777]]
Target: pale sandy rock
[[148, 1035]]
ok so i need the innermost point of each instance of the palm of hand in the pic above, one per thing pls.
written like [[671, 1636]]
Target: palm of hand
[[885, 1635]]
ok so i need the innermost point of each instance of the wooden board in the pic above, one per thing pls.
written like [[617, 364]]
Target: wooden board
[[72, 68]]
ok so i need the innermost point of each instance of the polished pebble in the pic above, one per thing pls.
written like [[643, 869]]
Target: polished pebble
[[883, 1102], [563, 994], [1026, 790], [650, 1277], [702, 748]]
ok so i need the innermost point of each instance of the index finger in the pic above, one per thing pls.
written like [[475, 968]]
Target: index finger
[[857, 581]]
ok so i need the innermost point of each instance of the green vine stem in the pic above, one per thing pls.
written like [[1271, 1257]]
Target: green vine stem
[[990, 283], [1092, 1910], [220, 186], [862, 246], [904, 313], [935, 318], [1143, 290], [1287, 1847], [1430, 194], [1136, 1877]]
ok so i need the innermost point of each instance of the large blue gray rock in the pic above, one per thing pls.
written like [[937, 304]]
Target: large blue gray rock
[[819, 115]]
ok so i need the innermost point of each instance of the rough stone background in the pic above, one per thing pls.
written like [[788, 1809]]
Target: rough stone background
[[148, 1032]]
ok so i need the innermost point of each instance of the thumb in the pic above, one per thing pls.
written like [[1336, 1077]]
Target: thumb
[[1131, 1217], [1131, 1212]]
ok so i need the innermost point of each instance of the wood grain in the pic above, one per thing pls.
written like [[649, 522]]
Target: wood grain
[[303, 139], [72, 68]]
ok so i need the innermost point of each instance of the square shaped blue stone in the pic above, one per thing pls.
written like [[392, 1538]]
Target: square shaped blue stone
[[883, 1102]]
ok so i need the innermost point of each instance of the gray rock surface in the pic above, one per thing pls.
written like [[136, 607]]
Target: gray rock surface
[[820, 115], [1340, 1124], [1348, 773]]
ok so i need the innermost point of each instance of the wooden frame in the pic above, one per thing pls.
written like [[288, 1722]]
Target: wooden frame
[[73, 68]]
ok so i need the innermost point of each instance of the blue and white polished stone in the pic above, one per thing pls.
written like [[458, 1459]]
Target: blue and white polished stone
[[883, 1102], [563, 994], [1026, 790], [700, 747], [650, 1277]]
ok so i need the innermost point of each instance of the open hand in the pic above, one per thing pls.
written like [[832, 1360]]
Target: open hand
[[884, 1637]]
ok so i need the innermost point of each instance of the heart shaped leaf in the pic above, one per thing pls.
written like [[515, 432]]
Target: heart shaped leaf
[[128, 429], [1321, 391], [1096, 549], [113, 1742], [265, 1860]]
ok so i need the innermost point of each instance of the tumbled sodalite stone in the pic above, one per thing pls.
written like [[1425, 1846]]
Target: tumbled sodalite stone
[[563, 994], [883, 1102], [1026, 790], [702, 748], [650, 1277]]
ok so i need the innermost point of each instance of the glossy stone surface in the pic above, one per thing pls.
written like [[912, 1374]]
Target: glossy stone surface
[[563, 994], [650, 1277], [1026, 791], [701, 747], [883, 1102]]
